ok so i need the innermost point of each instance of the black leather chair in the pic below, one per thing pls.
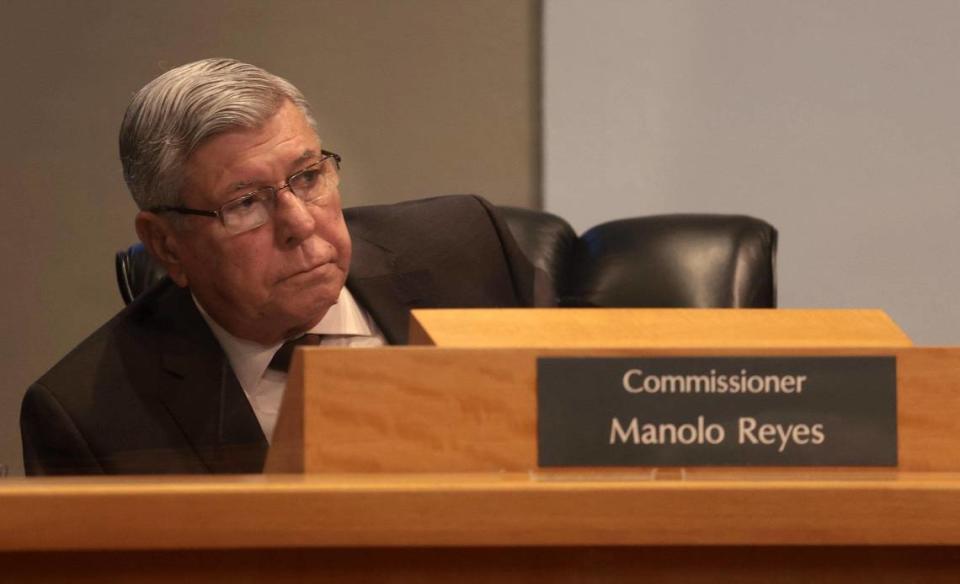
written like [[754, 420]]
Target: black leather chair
[[661, 261], [667, 261]]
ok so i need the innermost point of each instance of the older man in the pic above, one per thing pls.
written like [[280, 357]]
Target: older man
[[240, 202]]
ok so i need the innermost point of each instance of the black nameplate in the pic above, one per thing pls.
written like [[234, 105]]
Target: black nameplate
[[717, 411]]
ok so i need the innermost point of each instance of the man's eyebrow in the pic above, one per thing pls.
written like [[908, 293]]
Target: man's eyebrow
[[239, 186], [307, 155]]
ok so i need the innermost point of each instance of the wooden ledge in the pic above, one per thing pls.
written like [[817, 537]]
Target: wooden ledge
[[507, 509]]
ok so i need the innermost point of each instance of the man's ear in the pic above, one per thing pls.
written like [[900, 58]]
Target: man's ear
[[163, 243]]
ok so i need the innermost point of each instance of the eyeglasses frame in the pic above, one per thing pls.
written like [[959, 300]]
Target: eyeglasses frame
[[218, 213]]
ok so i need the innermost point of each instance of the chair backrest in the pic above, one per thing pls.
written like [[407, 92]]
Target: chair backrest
[[675, 261], [680, 261], [548, 242], [136, 271]]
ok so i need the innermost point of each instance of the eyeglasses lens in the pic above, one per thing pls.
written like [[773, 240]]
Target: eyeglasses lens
[[314, 183], [248, 212], [311, 185]]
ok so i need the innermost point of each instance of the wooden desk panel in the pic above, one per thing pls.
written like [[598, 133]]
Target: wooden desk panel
[[655, 328], [510, 509], [428, 409], [552, 565], [483, 528]]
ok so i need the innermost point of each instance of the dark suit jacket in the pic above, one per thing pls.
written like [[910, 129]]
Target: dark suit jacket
[[151, 391]]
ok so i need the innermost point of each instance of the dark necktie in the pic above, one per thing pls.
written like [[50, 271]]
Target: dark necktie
[[281, 360]]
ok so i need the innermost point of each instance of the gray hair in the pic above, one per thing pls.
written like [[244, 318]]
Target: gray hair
[[176, 112]]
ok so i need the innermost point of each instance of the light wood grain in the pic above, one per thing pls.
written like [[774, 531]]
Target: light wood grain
[[287, 449], [508, 509], [492, 527], [655, 328], [425, 409]]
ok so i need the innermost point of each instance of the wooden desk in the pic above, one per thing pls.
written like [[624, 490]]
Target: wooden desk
[[877, 526], [475, 413]]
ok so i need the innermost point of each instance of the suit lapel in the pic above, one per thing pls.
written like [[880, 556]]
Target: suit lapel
[[203, 395], [387, 288]]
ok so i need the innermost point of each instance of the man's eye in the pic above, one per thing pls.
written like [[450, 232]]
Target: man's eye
[[309, 178], [245, 205]]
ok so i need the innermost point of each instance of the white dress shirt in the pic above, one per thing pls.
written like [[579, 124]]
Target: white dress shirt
[[344, 325]]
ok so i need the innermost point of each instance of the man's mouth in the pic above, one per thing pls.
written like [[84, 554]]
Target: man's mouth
[[319, 270]]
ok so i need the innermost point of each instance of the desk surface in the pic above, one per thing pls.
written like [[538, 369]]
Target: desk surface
[[756, 507]]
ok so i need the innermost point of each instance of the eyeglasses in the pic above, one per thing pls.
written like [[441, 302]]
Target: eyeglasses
[[314, 184]]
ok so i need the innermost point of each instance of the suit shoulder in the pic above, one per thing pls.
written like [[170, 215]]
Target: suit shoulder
[[419, 208], [461, 239], [447, 217], [97, 356]]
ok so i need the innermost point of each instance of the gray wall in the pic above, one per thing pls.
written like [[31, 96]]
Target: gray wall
[[420, 97], [837, 121]]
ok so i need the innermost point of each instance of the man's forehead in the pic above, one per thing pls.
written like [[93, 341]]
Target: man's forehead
[[293, 166], [253, 156]]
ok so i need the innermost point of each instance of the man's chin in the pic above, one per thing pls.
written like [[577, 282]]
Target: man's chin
[[301, 321]]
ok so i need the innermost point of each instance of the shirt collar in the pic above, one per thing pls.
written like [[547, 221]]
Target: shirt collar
[[250, 359]]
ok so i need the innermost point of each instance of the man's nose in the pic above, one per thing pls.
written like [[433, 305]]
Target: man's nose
[[293, 220]]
